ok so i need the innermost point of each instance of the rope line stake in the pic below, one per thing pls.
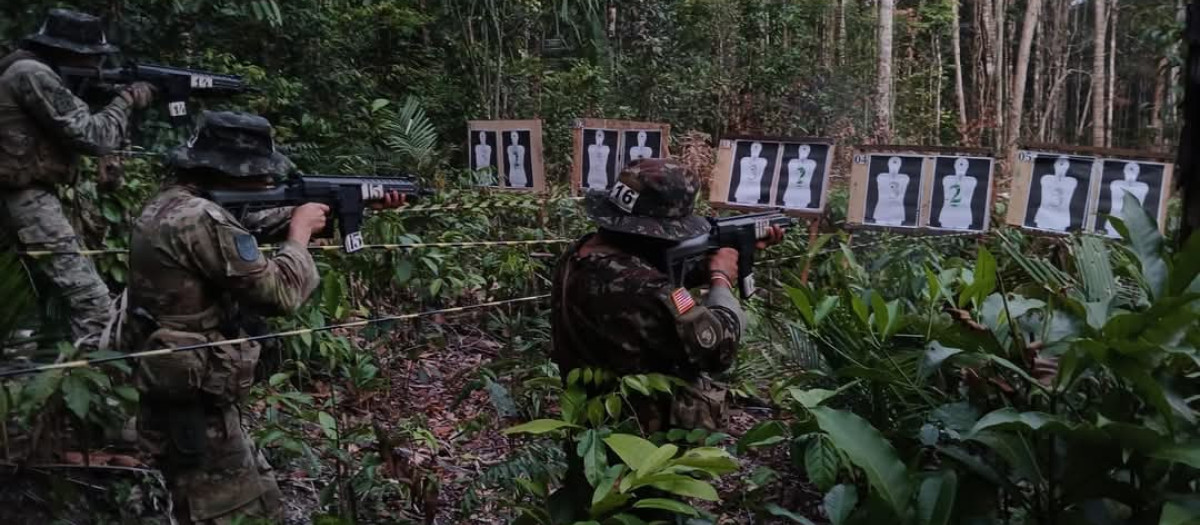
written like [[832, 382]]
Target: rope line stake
[[82, 363]]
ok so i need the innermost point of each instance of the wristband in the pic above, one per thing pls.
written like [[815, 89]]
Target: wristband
[[720, 276], [721, 273]]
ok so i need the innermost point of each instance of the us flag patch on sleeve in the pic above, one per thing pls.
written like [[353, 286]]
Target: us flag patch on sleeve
[[683, 301]]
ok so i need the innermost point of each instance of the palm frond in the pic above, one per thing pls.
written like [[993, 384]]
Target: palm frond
[[412, 134]]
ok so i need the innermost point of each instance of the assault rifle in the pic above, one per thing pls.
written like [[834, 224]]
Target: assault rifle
[[741, 233], [345, 196], [176, 85]]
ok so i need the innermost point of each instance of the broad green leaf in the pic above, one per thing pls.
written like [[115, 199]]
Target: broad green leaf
[[959, 416], [669, 505], [539, 426], [1015, 449], [866, 448], [935, 501], [657, 459], [811, 398], [688, 488], [1138, 228], [612, 405], [77, 395], [658, 382], [713, 460], [328, 425], [595, 411], [983, 281], [595, 460], [1186, 268], [573, 376], [41, 388], [623, 519], [278, 379], [1010, 419], [379, 104], [1141, 438], [934, 286], [1179, 514], [934, 357], [800, 299], [606, 484], [633, 450], [776, 510], [1187, 454], [839, 503], [860, 309], [763, 434], [880, 313], [636, 383], [574, 404], [610, 502], [821, 463], [824, 307]]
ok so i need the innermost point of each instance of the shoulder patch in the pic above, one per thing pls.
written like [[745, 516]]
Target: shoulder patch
[[247, 247], [682, 300], [706, 335]]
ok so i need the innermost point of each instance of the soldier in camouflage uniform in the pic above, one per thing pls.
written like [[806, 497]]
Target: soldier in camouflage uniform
[[191, 264], [43, 129], [615, 308]]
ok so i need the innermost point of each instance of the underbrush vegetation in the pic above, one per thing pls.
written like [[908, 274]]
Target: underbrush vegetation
[[884, 379]]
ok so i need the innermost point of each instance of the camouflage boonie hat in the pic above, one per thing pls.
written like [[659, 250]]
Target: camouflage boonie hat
[[73, 31], [236, 144], [652, 198]]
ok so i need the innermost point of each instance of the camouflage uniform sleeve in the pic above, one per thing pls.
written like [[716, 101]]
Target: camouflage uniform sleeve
[[706, 335], [269, 225], [228, 255], [54, 106]]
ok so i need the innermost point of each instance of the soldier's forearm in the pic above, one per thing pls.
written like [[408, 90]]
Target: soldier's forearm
[[99, 133], [269, 226], [288, 281], [722, 297]]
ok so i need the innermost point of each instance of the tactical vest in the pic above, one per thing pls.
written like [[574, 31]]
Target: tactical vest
[[28, 156]]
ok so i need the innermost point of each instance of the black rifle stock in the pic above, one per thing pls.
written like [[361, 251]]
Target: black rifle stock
[[346, 197], [741, 233], [176, 85]]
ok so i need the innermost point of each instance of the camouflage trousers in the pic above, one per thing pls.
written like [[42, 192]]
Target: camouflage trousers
[[35, 218], [214, 471]]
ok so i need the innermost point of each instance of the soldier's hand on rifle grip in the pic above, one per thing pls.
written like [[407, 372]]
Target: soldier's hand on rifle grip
[[774, 237], [139, 95], [723, 266], [392, 200], [307, 220]]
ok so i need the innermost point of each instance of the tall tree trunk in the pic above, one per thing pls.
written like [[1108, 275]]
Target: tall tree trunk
[[937, 91], [1160, 98], [1099, 77], [987, 42], [1111, 94], [1017, 108], [841, 38], [959, 91], [1001, 70], [883, 91]]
